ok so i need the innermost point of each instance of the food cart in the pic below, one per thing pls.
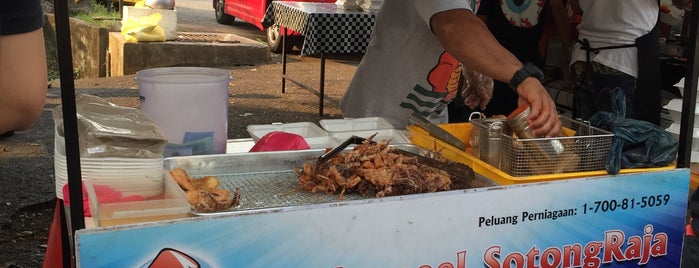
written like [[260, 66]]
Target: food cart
[[631, 219]]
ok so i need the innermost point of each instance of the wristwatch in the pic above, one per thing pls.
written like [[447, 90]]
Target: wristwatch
[[529, 70]]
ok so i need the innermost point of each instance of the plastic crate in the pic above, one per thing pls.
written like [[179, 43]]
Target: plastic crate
[[463, 132]]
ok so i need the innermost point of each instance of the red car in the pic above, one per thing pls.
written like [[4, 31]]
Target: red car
[[253, 11]]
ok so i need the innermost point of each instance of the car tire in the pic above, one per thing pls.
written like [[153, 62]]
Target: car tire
[[274, 40], [221, 16]]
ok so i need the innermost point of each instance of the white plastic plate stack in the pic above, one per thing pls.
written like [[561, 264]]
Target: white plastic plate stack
[[131, 176]]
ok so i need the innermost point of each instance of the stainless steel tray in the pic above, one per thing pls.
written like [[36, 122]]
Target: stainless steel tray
[[267, 179]]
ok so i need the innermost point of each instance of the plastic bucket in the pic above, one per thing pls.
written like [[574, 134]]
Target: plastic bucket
[[189, 105]]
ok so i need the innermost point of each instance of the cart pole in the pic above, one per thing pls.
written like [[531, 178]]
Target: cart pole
[[690, 94], [70, 125]]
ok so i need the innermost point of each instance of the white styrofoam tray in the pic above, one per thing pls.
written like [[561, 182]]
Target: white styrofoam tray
[[307, 130], [674, 107], [354, 124], [396, 135], [675, 130]]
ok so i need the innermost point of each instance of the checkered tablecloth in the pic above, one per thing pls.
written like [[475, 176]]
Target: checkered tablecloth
[[326, 27]]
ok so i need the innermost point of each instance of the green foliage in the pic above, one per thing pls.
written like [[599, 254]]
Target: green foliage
[[94, 12], [99, 14]]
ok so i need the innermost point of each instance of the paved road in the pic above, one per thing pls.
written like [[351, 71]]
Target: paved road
[[26, 160], [198, 16], [27, 183]]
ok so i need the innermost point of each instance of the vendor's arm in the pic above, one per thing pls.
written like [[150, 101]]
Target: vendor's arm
[[23, 79], [467, 38]]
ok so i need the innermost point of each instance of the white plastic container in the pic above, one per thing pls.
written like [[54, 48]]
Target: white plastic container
[[189, 105], [166, 201], [395, 135], [307, 130], [355, 124]]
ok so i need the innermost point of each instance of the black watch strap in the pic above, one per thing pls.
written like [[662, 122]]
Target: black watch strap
[[529, 70]]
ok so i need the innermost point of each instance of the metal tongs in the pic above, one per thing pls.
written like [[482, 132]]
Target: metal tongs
[[351, 140]]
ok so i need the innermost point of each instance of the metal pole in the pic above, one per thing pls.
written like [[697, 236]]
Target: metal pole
[[689, 99], [322, 83], [70, 122]]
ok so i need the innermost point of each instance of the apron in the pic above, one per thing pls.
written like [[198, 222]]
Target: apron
[[647, 99], [646, 96]]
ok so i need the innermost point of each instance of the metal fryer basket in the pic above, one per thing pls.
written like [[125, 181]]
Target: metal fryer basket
[[586, 148]]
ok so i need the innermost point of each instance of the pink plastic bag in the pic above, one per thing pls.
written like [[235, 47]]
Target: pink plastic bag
[[280, 141]]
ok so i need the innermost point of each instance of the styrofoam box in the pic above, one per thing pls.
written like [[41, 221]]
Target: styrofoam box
[[680, 85], [307, 130], [354, 124], [675, 130], [396, 135], [169, 202], [674, 107], [323, 142]]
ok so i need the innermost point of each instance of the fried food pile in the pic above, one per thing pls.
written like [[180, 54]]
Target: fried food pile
[[204, 194], [373, 169]]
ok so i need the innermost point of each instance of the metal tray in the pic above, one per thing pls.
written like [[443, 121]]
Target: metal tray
[[267, 179]]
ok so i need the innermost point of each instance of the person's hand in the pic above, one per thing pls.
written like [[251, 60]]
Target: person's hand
[[477, 89], [543, 117]]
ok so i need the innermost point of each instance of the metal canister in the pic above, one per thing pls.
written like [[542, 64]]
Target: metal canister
[[475, 119], [486, 137], [492, 153], [517, 121]]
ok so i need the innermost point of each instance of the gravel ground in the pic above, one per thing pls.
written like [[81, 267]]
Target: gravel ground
[[254, 98]]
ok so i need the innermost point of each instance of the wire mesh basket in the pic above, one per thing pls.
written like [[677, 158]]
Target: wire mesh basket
[[580, 147]]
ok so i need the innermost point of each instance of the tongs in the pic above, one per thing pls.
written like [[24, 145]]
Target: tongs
[[351, 140]]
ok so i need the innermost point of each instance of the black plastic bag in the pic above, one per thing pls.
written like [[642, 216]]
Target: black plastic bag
[[636, 143]]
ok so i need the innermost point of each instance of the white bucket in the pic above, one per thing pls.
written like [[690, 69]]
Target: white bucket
[[189, 105]]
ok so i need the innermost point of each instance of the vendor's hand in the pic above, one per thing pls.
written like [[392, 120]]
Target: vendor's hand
[[543, 117], [478, 89]]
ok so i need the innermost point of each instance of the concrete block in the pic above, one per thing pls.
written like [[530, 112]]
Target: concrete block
[[88, 42], [168, 21], [128, 58]]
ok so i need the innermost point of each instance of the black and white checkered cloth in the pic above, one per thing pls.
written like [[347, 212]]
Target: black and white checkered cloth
[[326, 27]]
